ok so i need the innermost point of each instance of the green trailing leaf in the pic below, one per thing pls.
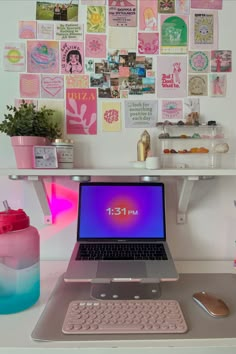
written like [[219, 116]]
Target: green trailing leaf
[[26, 120]]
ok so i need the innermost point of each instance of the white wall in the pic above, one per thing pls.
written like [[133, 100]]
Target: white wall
[[211, 223]]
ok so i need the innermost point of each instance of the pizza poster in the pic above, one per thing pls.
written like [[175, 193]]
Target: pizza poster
[[81, 111], [171, 76], [123, 13]]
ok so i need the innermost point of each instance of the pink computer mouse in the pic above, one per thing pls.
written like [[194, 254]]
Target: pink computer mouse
[[211, 304]]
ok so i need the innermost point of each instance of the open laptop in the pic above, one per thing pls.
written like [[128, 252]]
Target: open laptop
[[121, 234]]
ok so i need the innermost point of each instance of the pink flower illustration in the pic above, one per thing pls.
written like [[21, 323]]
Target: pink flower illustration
[[111, 115], [199, 61], [94, 45]]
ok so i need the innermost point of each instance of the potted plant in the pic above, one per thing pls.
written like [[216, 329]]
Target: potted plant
[[28, 126]]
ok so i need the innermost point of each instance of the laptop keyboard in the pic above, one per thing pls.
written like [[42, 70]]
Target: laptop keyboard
[[110, 251], [124, 317]]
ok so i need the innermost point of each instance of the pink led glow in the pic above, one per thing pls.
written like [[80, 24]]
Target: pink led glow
[[64, 208]]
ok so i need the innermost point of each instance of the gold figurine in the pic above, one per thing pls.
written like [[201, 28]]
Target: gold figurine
[[143, 146]]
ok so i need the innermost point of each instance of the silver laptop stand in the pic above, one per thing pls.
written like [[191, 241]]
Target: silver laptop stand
[[125, 291]]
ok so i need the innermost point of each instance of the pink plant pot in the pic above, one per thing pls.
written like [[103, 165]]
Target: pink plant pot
[[23, 149]]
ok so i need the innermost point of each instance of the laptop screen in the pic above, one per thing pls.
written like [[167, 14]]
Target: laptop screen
[[121, 210]]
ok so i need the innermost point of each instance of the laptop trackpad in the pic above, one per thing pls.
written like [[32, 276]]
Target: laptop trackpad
[[123, 269]]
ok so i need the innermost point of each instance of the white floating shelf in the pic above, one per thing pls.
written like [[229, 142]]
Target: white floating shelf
[[118, 172], [189, 176]]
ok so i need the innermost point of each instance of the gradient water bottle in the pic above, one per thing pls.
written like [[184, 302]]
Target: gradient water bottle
[[19, 261]]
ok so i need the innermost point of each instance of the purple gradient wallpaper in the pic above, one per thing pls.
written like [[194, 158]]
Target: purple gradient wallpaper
[[121, 211]]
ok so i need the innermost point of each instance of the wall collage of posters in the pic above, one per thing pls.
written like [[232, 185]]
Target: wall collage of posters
[[119, 63]]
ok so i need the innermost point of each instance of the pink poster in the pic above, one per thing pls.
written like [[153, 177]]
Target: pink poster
[[29, 85], [27, 29], [72, 57], [52, 86], [42, 56], [95, 46], [77, 81], [81, 111], [182, 7], [206, 4], [172, 110], [123, 13], [221, 61], [148, 15], [148, 43], [218, 83], [171, 76]]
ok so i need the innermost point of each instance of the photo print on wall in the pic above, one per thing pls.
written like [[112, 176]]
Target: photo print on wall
[[57, 10]]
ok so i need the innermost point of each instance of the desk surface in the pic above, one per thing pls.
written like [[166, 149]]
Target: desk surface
[[15, 329]]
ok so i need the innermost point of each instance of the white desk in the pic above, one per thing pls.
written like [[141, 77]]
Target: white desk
[[15, 329]]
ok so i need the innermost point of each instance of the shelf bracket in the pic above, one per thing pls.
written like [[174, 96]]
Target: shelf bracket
[[41, 194], [184, 197]]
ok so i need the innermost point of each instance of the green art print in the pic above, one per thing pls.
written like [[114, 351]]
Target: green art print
[[96, 19], [174, 34], [199, 62]]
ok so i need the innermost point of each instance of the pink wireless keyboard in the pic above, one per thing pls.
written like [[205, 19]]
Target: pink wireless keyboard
[[124, 317]]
